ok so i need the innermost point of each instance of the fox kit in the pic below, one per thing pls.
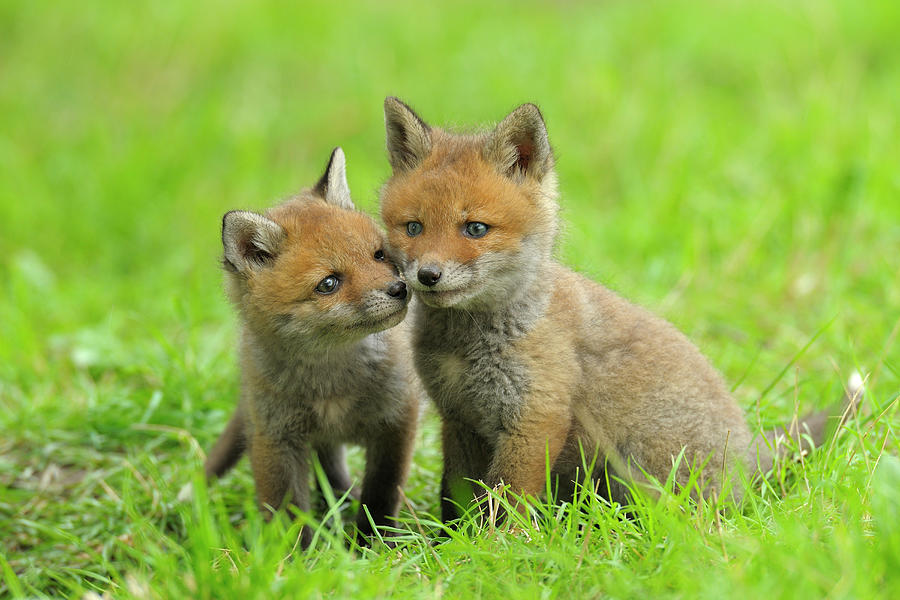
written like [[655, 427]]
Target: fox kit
[[320, 365], [526, 360]]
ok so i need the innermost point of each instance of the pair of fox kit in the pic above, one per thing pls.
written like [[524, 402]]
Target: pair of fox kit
[[527, 362]]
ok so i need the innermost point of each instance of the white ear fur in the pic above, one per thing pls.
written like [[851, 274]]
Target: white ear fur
[[333, 184], [408, 136], [519, 144], [251, 241]]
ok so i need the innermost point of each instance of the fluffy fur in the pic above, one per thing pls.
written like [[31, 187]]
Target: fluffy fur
[[525, 359], [318, 369]]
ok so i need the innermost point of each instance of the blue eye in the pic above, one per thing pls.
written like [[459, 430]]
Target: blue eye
[[413, 228], [328, 285], [475, 229]]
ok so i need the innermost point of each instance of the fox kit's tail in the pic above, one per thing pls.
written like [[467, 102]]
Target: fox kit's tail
[[810, 431]]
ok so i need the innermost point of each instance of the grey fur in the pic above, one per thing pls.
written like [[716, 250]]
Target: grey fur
[[338, 396], [522, 356], [318, 370]]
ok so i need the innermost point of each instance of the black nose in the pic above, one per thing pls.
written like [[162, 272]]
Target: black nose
[[397, 290], [429, 275]]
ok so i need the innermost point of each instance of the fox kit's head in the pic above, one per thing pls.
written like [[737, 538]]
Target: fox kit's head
[[471, 218], [312, 271]]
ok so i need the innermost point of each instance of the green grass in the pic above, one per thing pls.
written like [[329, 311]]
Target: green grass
[[731, 165]]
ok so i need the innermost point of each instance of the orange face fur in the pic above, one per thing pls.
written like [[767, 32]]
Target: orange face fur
[[453, 187], [320, 274]]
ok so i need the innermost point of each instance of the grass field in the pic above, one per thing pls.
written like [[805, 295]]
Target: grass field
[[734, 166]]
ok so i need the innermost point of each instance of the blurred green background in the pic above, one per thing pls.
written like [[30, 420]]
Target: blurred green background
[[731, 165]]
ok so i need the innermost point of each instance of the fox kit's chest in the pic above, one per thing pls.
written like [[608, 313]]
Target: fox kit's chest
[[471, 371], [335, 400], [311, 408]]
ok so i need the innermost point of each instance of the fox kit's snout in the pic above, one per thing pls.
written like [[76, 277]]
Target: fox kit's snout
[[317, 295]]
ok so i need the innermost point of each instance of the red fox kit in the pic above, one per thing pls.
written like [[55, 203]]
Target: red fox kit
[[320, 365], [525, 359]]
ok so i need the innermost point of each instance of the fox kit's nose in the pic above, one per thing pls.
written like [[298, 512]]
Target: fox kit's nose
[[397, 290], [429, 275]]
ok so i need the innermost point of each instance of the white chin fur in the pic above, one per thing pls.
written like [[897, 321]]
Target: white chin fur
[[446, 299], [487, 282], [386, 321]]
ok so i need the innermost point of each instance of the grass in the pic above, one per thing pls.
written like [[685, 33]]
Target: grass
[[731, 165]]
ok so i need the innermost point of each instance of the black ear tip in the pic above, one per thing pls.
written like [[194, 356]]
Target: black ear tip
[[331, 158]]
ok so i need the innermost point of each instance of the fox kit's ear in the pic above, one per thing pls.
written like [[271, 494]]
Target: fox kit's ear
[[251, 240], [519, 144], [408, 137], [333, 184]]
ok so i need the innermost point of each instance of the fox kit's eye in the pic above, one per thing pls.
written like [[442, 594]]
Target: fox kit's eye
[[413, 228], [379, 255], [328, 285], [474, 229]]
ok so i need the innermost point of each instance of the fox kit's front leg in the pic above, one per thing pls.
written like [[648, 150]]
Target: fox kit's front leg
[[518, 459], [467, 455], [521, 436], [387, 465], [527, 448], [530, 443], [524, 453], [334, 463], [281, 474]]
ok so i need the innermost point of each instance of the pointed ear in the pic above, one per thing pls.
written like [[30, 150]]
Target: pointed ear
[[408, 137], [519, 144], [333, 184], [251, 241]]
